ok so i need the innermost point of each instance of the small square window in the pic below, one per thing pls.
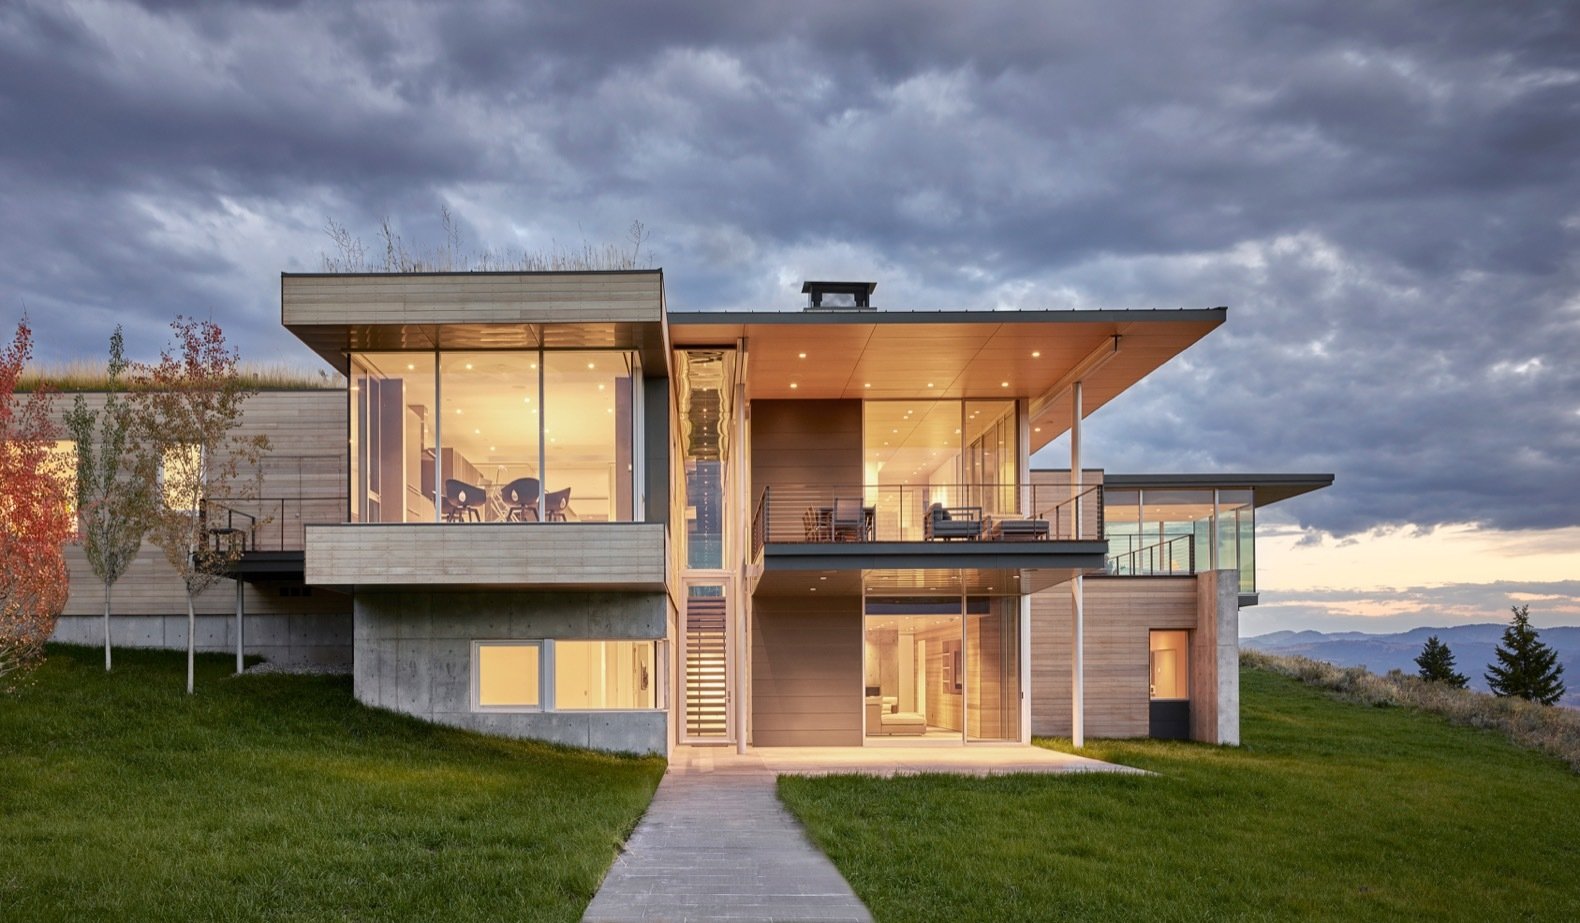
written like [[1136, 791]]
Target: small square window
[[507, 675]]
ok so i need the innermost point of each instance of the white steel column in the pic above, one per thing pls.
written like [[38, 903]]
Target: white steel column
[[1077, 592], [239, 642], [743, 530], [1028, 509]]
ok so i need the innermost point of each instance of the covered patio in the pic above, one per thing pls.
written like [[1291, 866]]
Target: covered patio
[[885, 761]]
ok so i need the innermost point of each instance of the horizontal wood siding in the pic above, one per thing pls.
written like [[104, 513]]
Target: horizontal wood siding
[[590, 555], [797, 443], [305, 467], [481, 298], [1119, 613], [806, 671]]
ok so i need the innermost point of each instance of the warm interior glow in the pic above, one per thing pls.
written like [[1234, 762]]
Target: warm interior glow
[[507, 675], [1170, 664], [604, 675]]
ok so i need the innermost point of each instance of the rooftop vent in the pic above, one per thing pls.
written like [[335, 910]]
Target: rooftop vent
[[838, 296]]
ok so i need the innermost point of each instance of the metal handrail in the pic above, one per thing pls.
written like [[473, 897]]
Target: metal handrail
[[803, 513], [279, 523], [1158, 559]]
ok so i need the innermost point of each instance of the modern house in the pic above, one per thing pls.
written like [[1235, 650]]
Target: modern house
[[546, 506]]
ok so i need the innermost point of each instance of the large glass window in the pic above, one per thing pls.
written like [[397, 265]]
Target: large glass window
[[961, 455], [604, 675], [493, 436], [507, 675], [1160, 531], [393, 437], [931, 672]]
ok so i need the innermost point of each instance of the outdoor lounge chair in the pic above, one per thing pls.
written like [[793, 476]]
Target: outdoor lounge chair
[[945, 524], [849, 520]]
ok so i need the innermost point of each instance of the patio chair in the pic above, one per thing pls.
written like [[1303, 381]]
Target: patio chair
[[463, 501], [945, 524], [521, 499], [849, 520], [814, 524]]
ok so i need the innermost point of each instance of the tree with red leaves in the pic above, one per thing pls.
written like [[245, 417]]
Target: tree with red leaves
[[186, 409], [35, 518]]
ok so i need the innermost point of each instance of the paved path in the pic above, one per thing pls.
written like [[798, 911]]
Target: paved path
[[719, 846], [716, 844]]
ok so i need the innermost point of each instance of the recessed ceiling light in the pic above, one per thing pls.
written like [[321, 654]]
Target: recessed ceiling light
[[1003, 384], [812, 588], [793, 385], [929, 384], [866, 384], [411, 365], [1036, 354], [1039, 429], [469, 366], [534, 366], [803, 355], [591, 365], [822, 578], [493, 448], [526, 400], [477, 432], [600, 386], [458, 410]]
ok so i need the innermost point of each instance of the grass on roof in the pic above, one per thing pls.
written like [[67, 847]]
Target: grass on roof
[[84, 376], [1330, 811], [280, 797]]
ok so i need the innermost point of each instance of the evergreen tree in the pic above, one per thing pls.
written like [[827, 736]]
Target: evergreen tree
[[1526, 667], [1437, 664]]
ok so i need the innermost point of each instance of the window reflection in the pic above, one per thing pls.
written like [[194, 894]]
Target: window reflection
[[392, 437]]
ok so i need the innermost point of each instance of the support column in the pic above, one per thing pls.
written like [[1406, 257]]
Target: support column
[[240, 642], [1077, 592]]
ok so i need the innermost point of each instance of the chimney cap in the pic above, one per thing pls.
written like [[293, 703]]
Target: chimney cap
[[860, 291]]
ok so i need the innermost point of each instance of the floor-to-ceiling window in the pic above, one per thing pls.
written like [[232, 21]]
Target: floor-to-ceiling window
[[960, 455], [941, 668], [494, 436]]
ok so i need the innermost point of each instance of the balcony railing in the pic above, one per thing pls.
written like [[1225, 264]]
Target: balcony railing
[[269, 523], [1175, 556], [795, 514]]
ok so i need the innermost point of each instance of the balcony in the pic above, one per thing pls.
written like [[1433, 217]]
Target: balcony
[[989, 534], [934, 513]]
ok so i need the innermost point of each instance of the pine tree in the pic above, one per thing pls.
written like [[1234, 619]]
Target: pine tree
[[1437, 664], [1526, 667]]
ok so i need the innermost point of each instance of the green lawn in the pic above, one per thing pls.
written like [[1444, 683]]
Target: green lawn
[[279, 797], [1329, 811]]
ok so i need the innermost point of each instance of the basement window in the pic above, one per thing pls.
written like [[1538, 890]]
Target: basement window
[[507, 676], [604, 675]]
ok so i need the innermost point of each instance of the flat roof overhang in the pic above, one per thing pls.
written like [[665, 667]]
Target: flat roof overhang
[[923, 355], [1001, 568], [1265, 488], [338, 313]]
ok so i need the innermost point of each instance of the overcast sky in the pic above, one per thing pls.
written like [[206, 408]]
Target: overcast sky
[[1386, 196]]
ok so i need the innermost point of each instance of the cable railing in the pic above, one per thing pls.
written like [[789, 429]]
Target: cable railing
[[269, 523], [1173, 556], [805, 513]]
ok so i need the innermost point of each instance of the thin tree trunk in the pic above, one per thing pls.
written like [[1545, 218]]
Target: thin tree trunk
[[107, 626], [191, 640]]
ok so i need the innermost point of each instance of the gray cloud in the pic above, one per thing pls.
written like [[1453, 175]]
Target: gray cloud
[[1384, 196]]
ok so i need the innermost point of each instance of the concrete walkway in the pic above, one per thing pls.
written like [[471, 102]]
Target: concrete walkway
[[716, 844]]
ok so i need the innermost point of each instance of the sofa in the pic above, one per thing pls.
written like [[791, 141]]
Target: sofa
[[883, 718]]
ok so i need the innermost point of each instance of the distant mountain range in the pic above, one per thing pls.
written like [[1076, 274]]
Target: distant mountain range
[[1472, 646]]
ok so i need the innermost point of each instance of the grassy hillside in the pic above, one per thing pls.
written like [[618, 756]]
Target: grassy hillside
[[279, 797], [1329, 811]]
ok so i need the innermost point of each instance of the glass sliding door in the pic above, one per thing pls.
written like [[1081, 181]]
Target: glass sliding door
[[914, 670], [992, 646]]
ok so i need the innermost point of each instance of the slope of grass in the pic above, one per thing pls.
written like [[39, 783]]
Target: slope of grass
[[1330, 810], [279, 797]]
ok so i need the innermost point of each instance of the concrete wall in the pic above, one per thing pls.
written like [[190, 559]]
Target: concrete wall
[[1215, 659], [806, 671], [315, 640], [414, 655]]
